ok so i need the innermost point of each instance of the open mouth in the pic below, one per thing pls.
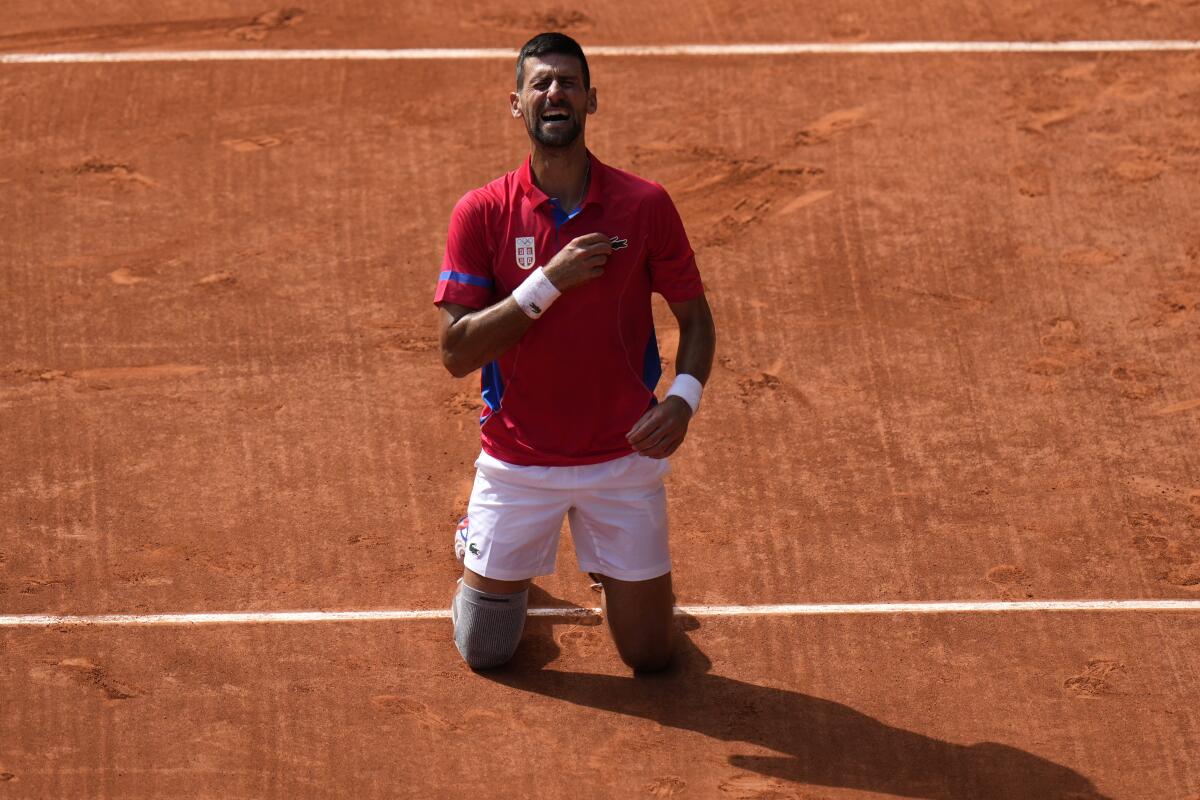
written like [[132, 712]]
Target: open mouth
[[555, 116]]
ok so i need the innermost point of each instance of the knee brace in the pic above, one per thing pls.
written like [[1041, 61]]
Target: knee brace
[[487, 626]]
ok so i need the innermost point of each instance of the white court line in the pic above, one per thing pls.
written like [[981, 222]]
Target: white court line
[[797, 609], [784, 49]]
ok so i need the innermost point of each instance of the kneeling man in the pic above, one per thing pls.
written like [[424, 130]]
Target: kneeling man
[[546, 287]]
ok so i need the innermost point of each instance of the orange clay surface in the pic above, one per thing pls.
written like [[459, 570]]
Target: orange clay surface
[[958, 307]]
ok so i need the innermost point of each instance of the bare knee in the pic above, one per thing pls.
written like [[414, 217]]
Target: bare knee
[[640, 618], [646, 660], [648, 666]]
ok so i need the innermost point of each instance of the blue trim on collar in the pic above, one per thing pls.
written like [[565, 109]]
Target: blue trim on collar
[[562, 217]]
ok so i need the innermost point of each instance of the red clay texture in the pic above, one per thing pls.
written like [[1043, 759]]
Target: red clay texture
[[958, 300]]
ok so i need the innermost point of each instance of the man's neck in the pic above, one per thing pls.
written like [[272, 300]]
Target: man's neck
[[561, 173]]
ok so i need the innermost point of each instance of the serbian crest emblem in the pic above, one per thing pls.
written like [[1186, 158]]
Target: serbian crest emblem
[[525, 256]]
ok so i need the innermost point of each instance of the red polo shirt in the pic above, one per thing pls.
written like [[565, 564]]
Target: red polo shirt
[[585, 372]]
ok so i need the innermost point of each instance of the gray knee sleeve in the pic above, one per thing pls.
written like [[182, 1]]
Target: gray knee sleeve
[[487, 626]]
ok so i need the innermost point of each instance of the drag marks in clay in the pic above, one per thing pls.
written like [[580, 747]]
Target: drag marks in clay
[[750, 389], [1135, 382], [415, 710], [104, 378], [849, 26], [551, 19], [1092, 96], [1043, 102], [264, 24], [1100, 677], [727, 194], [252, 144], [1032, 179], [756, 787], [112, 173], [727, 177], [161, 32], [32, 585], [1011, 580], [1061, 338], [1175, 306], [153, 372], [959, 301], [763, 384], [220, 278], [129, 578], [1182, 299], [1155, 489], [93, 676], [464, 401], [1039, 120], [1176, 408], [1159, 542], [832, 125], [1138, 164], [1168, 561], [666, 786], [124, 277], [1064, 351], [1089, 257]]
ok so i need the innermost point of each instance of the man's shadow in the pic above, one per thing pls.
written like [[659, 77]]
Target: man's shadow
[[821, 742]]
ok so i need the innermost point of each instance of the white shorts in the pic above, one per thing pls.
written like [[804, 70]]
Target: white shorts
[[617, 510]]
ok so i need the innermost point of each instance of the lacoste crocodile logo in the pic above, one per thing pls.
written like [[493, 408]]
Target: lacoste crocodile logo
[[474, 550], [618, 243]]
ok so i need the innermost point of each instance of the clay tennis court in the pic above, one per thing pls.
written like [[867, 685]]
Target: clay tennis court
[[958, 306]]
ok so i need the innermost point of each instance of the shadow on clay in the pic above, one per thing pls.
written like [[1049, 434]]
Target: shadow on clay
[[826, 743]]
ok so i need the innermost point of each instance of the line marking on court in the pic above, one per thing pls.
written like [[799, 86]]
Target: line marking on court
[[796, 609], [453, 53]]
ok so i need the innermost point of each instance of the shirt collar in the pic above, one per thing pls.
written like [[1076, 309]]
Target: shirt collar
[[595, 192]]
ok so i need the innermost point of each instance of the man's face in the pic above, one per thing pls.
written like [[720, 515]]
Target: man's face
[[553, 101]]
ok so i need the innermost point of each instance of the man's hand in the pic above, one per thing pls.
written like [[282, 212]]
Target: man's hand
[[580, 261], [660, 431]]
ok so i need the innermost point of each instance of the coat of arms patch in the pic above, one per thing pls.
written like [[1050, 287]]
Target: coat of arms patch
[[525, 256]]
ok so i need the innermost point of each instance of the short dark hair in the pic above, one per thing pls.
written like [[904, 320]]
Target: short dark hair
[[547, 43]]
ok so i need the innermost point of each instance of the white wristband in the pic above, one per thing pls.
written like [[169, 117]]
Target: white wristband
[[688, 388], [535, 294]]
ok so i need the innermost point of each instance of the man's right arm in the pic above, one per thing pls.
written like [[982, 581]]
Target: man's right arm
[[471, 338]]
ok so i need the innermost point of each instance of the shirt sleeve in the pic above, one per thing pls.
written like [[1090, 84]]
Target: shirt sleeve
[[673, 270], [466, 277]]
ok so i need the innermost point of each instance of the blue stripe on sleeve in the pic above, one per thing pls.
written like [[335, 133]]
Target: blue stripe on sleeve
[[463, 277]]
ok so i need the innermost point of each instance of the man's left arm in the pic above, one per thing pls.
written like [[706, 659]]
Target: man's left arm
[[662, 429]]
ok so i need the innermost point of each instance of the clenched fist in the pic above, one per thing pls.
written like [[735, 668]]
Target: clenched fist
[[661, 430], [582, 260]]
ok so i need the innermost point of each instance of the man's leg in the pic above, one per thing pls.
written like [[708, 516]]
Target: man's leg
[[619, 525], [640, 616], [476, 581], [513, 520], [488, 616]]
